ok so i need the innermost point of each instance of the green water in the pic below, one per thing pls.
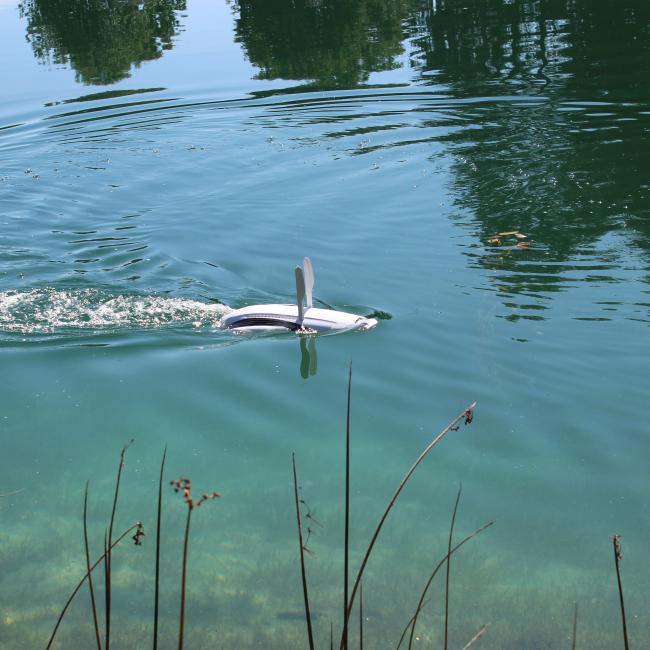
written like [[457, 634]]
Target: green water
[[161, 160]]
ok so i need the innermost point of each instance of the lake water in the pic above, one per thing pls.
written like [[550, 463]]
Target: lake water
[[162, 161]]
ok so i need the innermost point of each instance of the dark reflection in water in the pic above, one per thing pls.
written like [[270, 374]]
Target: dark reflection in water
[[551, 131], [334, 43], [544, 109], [101, 40], [557, 144], [586, 45], [308, 357]]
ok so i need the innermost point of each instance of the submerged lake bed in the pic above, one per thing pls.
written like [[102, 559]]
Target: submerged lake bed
[[474, 173]]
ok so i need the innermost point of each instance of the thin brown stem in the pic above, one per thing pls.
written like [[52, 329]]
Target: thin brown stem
[[361, 616], [618, 556], [137, 525], [184, 486], [420, 604], [408, 627], [90, 578], [181, 624], [477, 636], [346, 535], [107, 591], [451, 533], [157, 575], [467, 416], [575, 627], [305, 592], [107, 573], [107, 579]]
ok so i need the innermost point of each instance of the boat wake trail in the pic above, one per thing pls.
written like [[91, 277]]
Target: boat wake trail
[[54, 311]]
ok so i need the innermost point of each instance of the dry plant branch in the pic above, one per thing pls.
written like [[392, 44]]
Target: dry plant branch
[[137, 526], [361, 616], [184, 485], [157, 571], [477, 636], [90, 577], [467, 416], [451, 534], [109, 543], [618, 556], [305, 592], [346, 534], [421, 602]]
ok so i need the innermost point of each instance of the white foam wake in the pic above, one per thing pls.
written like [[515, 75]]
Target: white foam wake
[[52, 310]]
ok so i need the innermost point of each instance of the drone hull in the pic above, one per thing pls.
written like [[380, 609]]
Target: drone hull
[[285, 317]]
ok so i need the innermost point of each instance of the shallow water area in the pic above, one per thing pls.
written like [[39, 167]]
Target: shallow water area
[[473, 173]]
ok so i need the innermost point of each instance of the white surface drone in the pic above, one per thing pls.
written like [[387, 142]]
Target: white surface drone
[[301, 318]]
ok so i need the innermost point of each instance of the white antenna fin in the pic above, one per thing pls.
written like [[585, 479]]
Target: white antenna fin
[[300, 293], [309, 282]]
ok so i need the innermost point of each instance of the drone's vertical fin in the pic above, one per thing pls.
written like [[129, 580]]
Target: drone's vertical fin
[[309, 281], [300, 293]]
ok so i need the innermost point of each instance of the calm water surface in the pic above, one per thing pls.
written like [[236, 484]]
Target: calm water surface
[[163, 161]]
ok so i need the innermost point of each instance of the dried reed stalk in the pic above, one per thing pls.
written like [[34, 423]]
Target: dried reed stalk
[[408, 626], [109, 546], [575, 627], [184, 485], [361, 616], [157, 575], [305, 591], [477, 636], [451, 533], [181, 625], [467, 415], [136, 537], [90, 577], [107, 577], [421, 602], [618, 556], [346, 534]]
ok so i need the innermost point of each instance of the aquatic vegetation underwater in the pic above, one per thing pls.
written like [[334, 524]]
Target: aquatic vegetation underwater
[[108, 630]]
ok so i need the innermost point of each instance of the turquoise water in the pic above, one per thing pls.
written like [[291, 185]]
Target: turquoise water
[[160, 163]]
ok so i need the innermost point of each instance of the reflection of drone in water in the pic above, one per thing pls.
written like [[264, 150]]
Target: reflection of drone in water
[[302, 318], [308, 358]]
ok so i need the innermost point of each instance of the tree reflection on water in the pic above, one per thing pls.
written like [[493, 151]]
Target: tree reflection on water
[[557, 138], [101, 39], [334, 43], [549, 97]]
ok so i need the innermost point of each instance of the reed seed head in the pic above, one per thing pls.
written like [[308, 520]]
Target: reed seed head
[[139, 533], [469, 415], [184, 485]]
